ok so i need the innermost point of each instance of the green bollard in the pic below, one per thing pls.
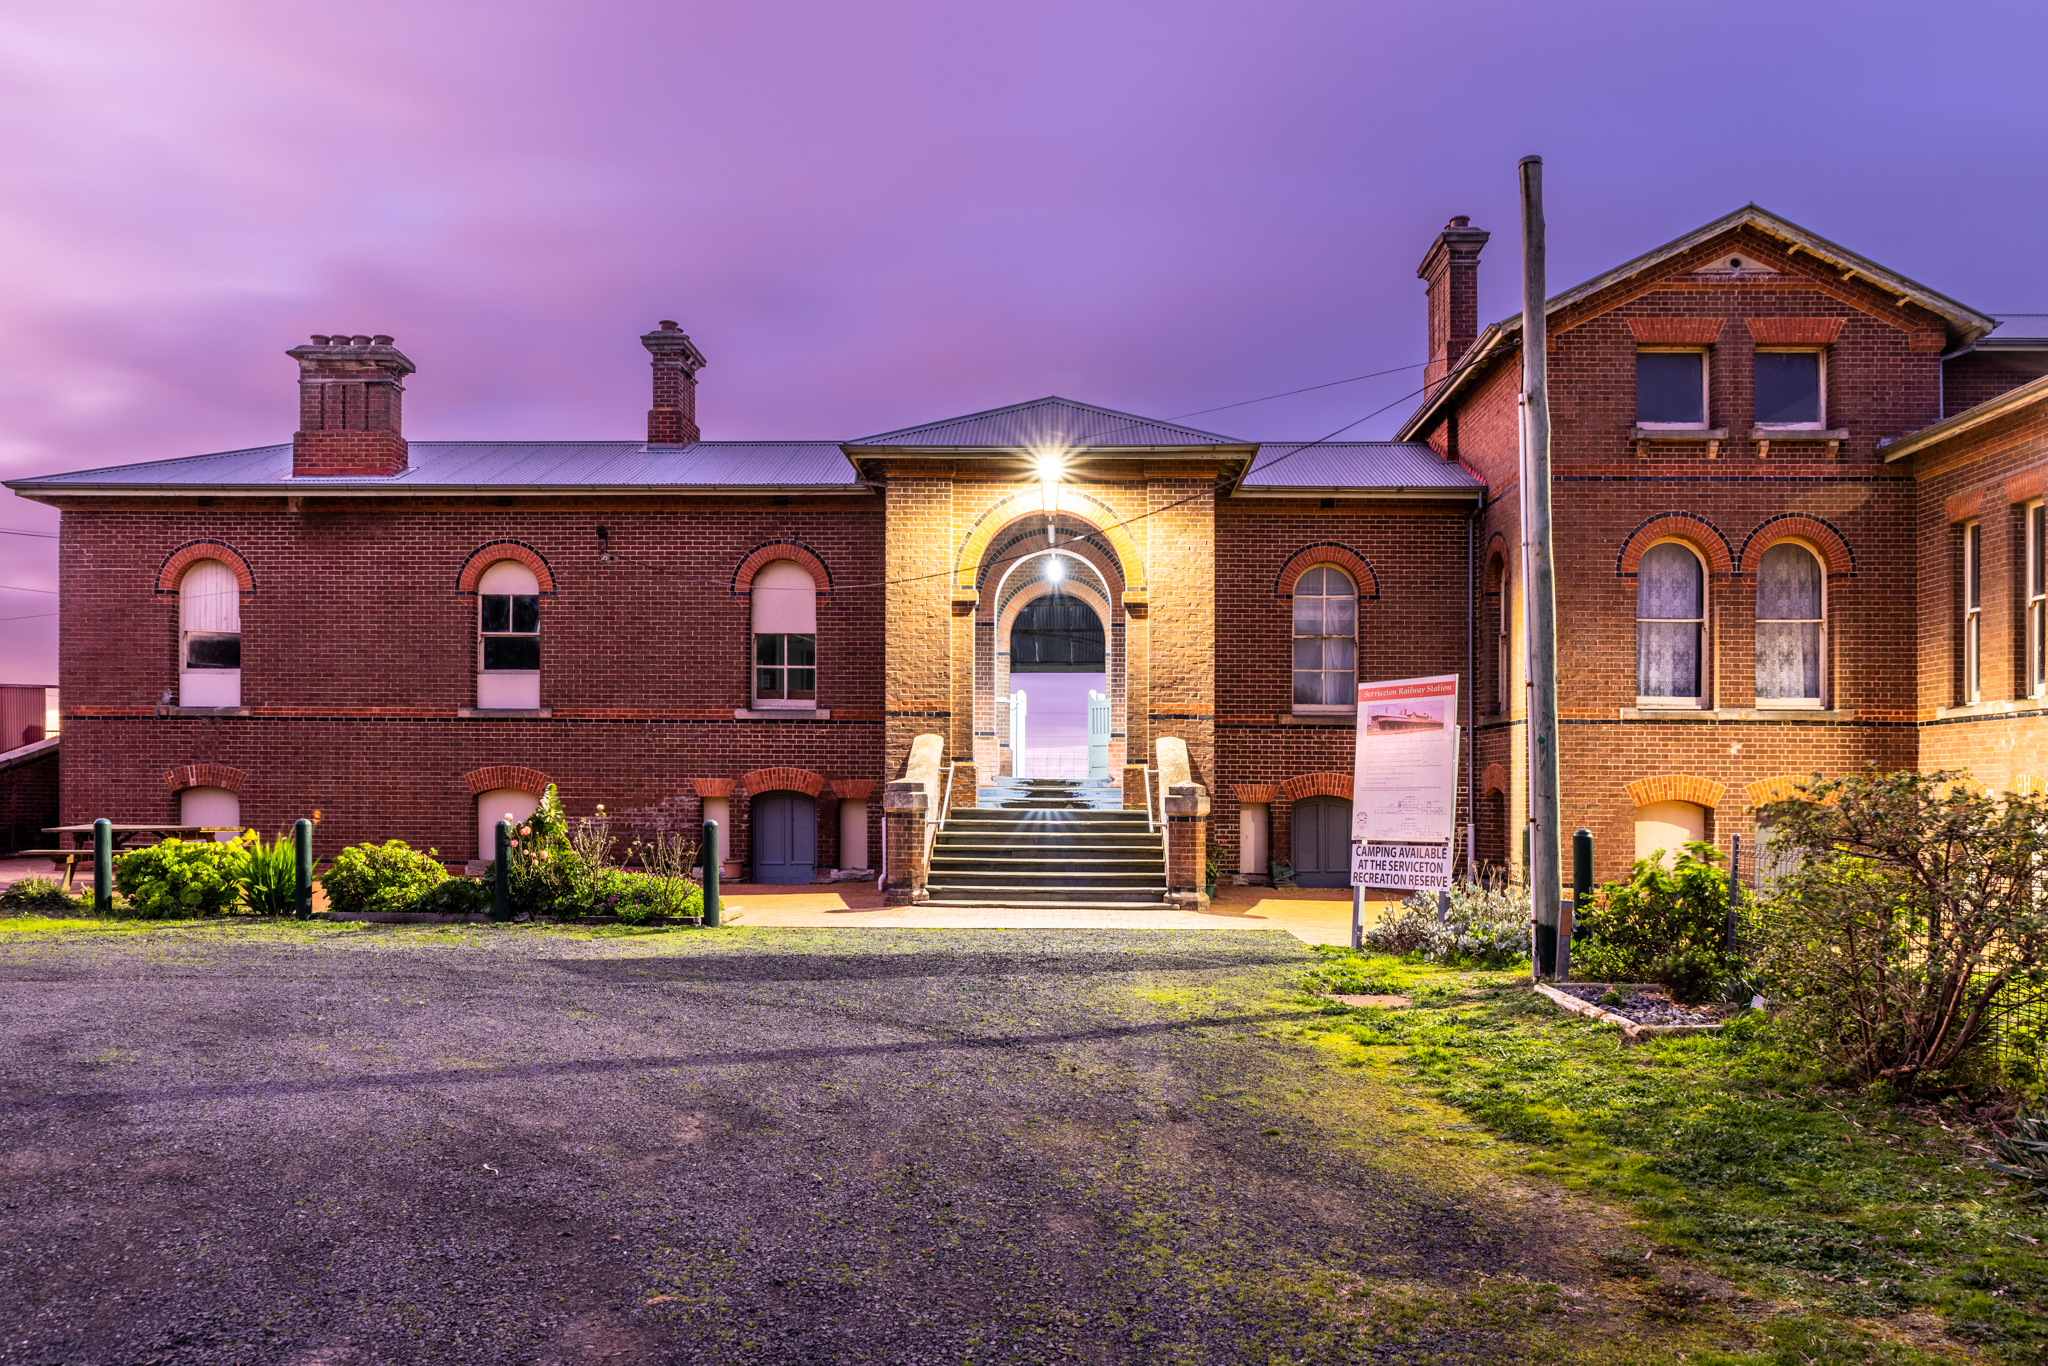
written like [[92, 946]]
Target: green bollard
[[708, 852], [501, 883], [1582, 893], [302, 855], [103, 867]]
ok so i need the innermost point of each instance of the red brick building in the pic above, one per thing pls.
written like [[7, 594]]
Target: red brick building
[[1773, 461]]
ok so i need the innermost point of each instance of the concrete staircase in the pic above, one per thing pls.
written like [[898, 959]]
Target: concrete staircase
[[1048, 844]]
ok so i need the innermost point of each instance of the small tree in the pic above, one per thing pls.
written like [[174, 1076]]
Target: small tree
[[1913, 915]]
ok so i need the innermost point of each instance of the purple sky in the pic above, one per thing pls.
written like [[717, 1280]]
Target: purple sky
[[880, 213]]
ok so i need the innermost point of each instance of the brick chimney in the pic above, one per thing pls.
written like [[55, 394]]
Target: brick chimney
[[349, 415], [672, 421], [1451, 270]]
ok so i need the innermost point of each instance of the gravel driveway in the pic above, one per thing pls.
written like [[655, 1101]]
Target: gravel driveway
[[345, 1145]]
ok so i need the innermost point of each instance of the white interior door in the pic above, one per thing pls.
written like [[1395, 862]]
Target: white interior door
[[1098, 735], [1018, 767]]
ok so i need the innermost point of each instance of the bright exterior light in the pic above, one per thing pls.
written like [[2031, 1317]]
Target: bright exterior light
[[1055, 570], [1051, 464]]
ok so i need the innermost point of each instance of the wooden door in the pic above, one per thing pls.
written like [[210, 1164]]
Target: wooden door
[[1322, 842], [785, 837]]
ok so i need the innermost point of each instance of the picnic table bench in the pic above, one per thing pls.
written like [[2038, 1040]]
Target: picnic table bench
[[125, 837]]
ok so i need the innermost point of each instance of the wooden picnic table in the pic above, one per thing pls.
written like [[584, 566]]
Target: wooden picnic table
[[125, 837]]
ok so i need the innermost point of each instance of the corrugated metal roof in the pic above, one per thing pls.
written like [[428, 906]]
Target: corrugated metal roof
[[502, 464], [2018, 329], [1395, 465], [1048, 422]]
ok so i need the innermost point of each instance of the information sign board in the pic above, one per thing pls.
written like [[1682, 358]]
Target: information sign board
[[1404, 786]]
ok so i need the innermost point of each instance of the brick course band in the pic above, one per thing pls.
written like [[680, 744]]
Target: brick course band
[[1676, 787], [484, 556], [1795, 331], [1834, 550], [185, 556], [482, 780], [761, 556], [1317, 785], [187, 776], [1676, 331], [1701, 534], [1328, 552], [783, 780]]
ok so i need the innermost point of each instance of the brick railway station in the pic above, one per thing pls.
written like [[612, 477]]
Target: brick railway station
[[1800, 528]]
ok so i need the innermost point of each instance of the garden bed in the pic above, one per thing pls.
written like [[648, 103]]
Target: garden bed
[[1646, 1011]]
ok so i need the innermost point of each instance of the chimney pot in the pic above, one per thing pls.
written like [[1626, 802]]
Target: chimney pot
[[381, 340], [670, 325], [1451, 272], [319, 339], [360, 340], [672, 421], [1459, 221]]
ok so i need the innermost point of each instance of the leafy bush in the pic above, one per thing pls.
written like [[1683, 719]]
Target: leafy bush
[[381, 877], [179, 878], [546, 877], [1666, 925], [269, 874], [38, 896], [455, 896], [1485, 926], [640, 898], [1913, 915]]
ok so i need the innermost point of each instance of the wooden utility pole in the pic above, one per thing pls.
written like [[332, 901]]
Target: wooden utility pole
[[1539, 584]]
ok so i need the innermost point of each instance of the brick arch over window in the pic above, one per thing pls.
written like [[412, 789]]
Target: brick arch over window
[[185, 556], [1700, 533], [1677, 787], [783, 780], [1495, 779], [186, 776], [491, 779], [761, 556], [1834, 550], [1496, 556], [1084, 507], [1303, 785], [1328, 552], [483, 557]]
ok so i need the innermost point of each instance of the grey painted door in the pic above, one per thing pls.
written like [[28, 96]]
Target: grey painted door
[[785, 837], [1322, 842]]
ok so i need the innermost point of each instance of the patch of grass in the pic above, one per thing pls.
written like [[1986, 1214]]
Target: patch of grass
[[1865, 1217]]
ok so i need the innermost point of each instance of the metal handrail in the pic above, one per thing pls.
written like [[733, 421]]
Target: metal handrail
[[1149, 826], [931, 827]]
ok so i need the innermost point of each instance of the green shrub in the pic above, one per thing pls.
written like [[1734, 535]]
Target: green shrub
[[1664, 925], [1485, 926], [39, 896], [545, 875], [269, 874], [180, 878], [381, 877], [455, 896], [1346, 973]]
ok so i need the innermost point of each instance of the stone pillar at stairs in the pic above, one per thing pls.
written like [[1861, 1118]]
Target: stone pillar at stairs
[[905, 805], [1187, 846]]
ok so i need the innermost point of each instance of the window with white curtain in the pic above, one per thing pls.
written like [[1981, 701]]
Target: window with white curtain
[[1789, 619], [1671, 620], [1973, 612], [785, 600], [2037, 600], [209, 636], [1325, 641], [508, 638]]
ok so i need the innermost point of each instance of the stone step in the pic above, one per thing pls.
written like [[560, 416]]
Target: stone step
[[952, 894], [1009, 877], [1038, 862], [964, 840]]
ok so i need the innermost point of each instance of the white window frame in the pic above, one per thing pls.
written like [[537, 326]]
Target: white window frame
[[1324, 708], [1803, 703], [1822, 378], [1503, 679], [1705, 353], [1973, 613], [755, 636], [2036, 585], [506, 689], [1703, 700]]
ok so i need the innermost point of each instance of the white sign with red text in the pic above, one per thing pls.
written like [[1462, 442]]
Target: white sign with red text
[[1404, 785]]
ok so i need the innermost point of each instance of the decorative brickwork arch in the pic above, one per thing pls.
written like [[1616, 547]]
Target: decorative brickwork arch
[[1834, 550], [1697, 532], [711, 787], [483, 557], [1677, 787], [185, 556], [1495, 779], [1045, 588], [782, 780], [1328, 552], [1779, 788], [2024, 785], [186, 776], [491, 779], [761, 556], [1037, 502], [853, 789], [1317, 785], [1256, 792]]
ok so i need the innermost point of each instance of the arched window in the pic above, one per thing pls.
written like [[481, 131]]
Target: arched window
[[1503, 655], [211, 806], [1325, 641], [1671, 619], [209, 636], [785, 636], [508, 638], [1665, 828], [1788, 627]]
